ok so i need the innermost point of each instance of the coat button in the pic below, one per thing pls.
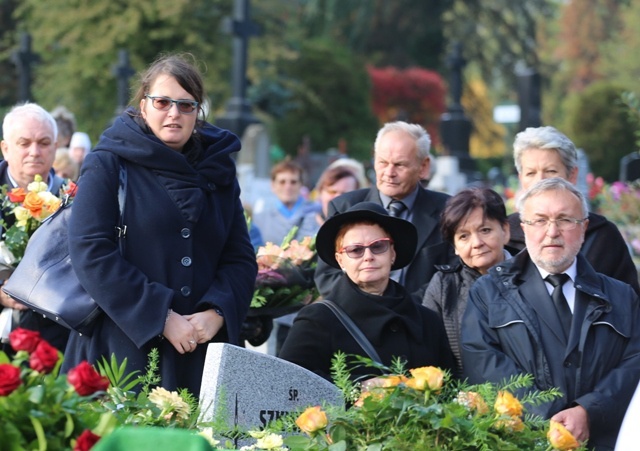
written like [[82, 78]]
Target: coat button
[[186, 291], [567, 364], [186, 233], [186, 261]]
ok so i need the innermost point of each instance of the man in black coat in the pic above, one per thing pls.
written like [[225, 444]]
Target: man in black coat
[[29, 148], [545, 152], [401, 160], [547, 313]]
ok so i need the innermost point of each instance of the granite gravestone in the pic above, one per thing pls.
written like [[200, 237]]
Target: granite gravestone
[[630, 167], [248, 389]]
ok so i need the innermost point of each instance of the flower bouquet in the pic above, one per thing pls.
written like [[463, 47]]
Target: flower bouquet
[[424, 408], [284, 282], [42, 409], [30, 208]]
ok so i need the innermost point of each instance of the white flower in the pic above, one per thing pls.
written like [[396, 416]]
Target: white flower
[[37, 186], [269, 441], [169, 402]]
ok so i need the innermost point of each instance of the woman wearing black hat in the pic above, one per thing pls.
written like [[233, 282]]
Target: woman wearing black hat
[[366, 243]]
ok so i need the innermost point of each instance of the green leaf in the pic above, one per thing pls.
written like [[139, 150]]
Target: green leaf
[[36, 394], [37, 427], [106, 425], [340, 446], [296, 442], [68, 426]]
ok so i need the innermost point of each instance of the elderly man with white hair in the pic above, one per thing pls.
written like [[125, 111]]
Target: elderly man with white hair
[[402, 160], [29, 146]]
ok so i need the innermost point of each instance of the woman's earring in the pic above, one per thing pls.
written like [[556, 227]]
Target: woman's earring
[[344, 270]]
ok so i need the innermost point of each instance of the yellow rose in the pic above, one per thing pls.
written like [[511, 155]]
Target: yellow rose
[[269, 441], [170, 403], [426, 377], [364, 395], [560, 438], [514, 425], [507, 404], [51, 204], [22, 216], [311, 420], [33, 203], [37, 185], [473, 401], [389, 381]]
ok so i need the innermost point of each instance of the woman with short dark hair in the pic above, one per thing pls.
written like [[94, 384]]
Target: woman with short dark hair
[[475, 222]]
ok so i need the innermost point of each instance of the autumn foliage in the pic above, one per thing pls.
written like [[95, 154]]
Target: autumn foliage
[[415, 94]]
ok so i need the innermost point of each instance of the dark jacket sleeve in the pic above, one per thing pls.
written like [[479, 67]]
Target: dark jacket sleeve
[[609, 254], [616, 388], [233, 284], [482, 354]]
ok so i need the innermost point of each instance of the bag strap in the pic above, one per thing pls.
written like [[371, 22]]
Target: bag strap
[[121, 228], [354, 330]]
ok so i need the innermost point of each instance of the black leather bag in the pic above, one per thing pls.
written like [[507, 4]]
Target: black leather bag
[[45, 280]]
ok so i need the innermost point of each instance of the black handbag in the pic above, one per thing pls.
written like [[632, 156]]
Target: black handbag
[[45, 280]]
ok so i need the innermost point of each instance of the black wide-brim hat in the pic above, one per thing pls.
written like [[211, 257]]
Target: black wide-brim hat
[[403, 233]]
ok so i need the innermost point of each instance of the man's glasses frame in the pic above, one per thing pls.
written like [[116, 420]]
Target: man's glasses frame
[[379, 246], [562, 224], [163, 103]]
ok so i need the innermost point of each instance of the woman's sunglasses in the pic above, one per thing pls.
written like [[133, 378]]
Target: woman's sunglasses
[[164, 104], [377, 247]]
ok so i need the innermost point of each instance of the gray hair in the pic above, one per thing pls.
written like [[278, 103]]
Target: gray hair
[[545, 138], [417, 132], [552, 184], [27, 110]]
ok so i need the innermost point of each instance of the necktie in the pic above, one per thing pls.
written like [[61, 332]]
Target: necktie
[[396, 208], [562, 307]]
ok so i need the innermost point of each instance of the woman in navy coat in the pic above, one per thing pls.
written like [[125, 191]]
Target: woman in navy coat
[[187, 273]]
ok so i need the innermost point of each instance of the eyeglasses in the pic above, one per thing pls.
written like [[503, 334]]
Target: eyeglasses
[[164, 104], [562, 224], [377, 247]]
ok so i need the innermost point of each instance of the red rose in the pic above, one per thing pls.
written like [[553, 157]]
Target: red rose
[[24, 340], [86, 441], [44, 358], [86, 380], [17, 195], [72, 189], [9, 379]]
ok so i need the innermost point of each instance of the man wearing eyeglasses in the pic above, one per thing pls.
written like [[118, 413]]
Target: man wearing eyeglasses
[[548, 313], [545, 152], [402, 159]]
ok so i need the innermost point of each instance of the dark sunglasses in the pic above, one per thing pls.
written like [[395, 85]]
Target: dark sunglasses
[[164, 104], [377, 247]]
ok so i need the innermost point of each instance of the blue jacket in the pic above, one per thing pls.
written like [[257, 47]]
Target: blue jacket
[[509, 328], [187, 246]]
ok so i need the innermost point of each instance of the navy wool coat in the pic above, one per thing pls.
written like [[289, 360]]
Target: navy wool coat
[[187, 247]]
